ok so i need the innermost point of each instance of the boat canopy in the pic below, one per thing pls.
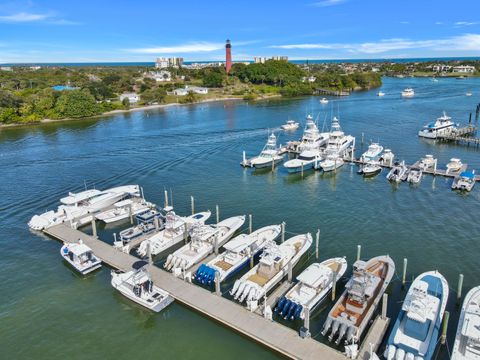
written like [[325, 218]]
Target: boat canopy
[[468, 174], [79, 249], [74, 198]]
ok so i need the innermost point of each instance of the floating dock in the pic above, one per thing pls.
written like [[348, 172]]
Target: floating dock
[[273, 335]]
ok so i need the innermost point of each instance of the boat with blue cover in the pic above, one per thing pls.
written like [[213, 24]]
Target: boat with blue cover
[[237, 254], [465, 181], [416, 330]]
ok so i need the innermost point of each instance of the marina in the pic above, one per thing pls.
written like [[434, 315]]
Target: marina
[[316, 200]]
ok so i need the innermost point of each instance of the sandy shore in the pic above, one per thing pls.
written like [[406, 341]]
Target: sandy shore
[[139, 108]]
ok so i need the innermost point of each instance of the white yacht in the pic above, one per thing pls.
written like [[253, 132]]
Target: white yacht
[[176, 230], [75, 209], [269, 154], [237, 254], [387, 157], [398, 173], [323, 101], [121, 210], [370, 169], [310, 148], [442, 125], [373, 153], [290, 125], [468, 94], [465, 181], [454, 165], [313, 285], [380, 93], [417, 328], [138, 287], [467, 339], [337, 145], [80, 257], [428, 162], [204, 239], [408, 92], [414, 176], [350, 316], [273, 266]]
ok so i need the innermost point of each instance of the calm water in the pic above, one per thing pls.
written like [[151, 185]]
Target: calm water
[[47, 312]]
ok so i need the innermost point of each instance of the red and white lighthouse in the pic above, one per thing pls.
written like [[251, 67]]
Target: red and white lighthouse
[[228, 56]]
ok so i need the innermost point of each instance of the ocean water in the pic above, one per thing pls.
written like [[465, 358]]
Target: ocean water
[[47, 312]]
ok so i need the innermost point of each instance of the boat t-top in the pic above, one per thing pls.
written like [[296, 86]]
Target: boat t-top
[[80, 257], [290, 125], [270, 154], [417, 328], [408, 92], [454, 165], [442, 125], [467, 339], [138, 286], [427, 162], [310, 148]]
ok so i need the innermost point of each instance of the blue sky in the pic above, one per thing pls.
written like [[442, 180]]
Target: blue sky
[[104, 30]]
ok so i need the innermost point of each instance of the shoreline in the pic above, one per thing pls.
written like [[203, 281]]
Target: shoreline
[[121, 111]]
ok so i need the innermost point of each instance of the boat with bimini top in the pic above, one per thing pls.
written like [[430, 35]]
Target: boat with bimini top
[[80, 257]]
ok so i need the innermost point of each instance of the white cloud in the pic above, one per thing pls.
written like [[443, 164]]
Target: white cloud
[[465, 23], [439, 23], [325, 3], [466, 42], [22, 17]]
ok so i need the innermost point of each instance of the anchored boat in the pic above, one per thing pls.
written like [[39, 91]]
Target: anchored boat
[[373, 153], [408, 92], [428, 162], [123, 209], [269, 154], [138, 286], [290, 125], [176, 228], [76, 208], [441, 126], [204, 239], [354, 309], [467, 339], [238, 253], [416, 330], [398, 173], [465, 181], [454, 165], [80, 257], [314, 283], [273, 266]]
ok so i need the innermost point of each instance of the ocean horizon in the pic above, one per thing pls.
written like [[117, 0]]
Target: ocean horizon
[[302, 61]]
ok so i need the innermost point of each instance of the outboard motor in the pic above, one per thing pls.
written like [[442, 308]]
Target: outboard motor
[[210, 276], [169, 260], [335, 327], [409, 356], [251, 294], [291, 311], [280, 304], [246, 290], [286, 307], [350, 332], [240, 289], [326, 326], [298, 312], [390, 352], [399, 354], [341, 333], [235, 287]]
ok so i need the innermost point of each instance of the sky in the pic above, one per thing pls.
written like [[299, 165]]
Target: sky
[[121, 31]]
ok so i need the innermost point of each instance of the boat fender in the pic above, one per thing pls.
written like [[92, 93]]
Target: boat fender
[[389, 353], [298, 312], [65, 250], [326, 326], [280, 304]]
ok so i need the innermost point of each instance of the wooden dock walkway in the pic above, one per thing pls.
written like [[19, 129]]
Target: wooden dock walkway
[[374, 337], [275, 336]]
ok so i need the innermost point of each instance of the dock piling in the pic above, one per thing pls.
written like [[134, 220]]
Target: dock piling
[[273, 164], [302, 170], [384, 306], [217, 210], [334, 285], [149, 253], [114, 237], [216, 245], [166, 198], [244, 158], [317, 240], [250, 224], [435, 167], [217, 284], [157, 224], [94, 227], [252, 258], [192, 201], [359, 251], [289, 277], [363, 135], [283, 232], [185, 233], [443, 338], [404, 273], [306, 321], [459, 288], [130, 213]]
